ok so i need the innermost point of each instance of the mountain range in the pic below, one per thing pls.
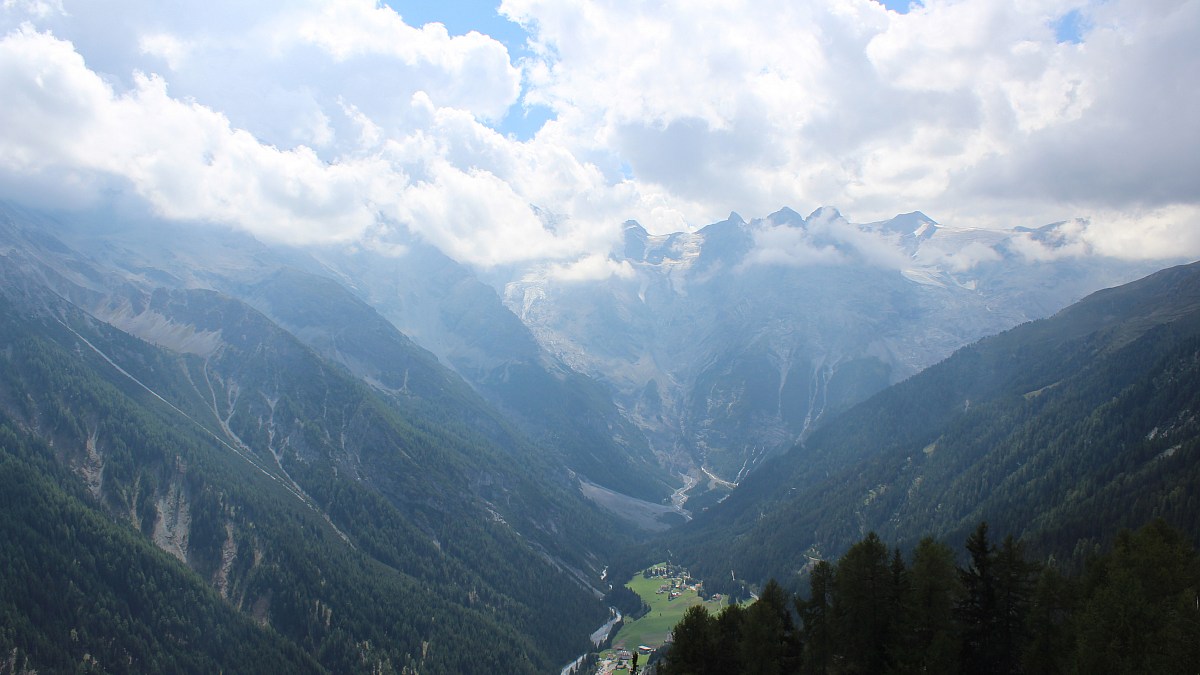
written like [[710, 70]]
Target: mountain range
[[729, 344], [349, 459]]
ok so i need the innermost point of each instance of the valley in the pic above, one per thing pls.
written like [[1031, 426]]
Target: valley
[[260, 418], [725, 353], [667, 592], [393, 337]]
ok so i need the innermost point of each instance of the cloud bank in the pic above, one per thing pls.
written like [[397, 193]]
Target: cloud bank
[[316, 122]]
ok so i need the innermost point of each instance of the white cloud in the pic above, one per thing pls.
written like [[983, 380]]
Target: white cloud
[[948, 108], [472, 72], [826, 238], [976, 252], [1169, 232], [595, 267], [314, 120], [168, 47], [34, 8], [791, 247], [183, 158]]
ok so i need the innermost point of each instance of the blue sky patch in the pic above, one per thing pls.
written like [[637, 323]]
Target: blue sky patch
[[901, 6], [463, 16], [1070, 27]]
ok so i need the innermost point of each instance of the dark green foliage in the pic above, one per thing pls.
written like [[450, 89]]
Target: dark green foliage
[[997, 590], [265, 449], [1135, 611], [1051, 624], [1141, 611], [627, 601], [863, 592], [760, 640], [695, 643], [817, 620], [79, 593], [934, 592], [730, 631], [769, 643]]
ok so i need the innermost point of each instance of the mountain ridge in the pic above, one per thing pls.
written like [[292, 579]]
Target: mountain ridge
[[1059, 431], [811, 314]]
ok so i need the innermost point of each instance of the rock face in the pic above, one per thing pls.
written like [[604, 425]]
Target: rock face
[[730, 343]]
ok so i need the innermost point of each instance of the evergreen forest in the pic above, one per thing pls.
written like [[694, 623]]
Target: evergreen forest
[[1135, 609]]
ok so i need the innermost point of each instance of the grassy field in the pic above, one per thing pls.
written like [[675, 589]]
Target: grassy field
[[654, 628]]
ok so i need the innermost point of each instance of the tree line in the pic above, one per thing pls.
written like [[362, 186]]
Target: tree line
[[1135, 609]]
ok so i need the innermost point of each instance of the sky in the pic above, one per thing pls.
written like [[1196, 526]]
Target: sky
[[531, 130]]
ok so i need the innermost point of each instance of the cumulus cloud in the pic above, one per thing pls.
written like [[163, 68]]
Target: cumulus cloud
[[34, 8], [824, 238], [317, 121], [960, 256], [1168, 232], [968, 108], [168, 47], [791, 247], [451, 179], [594, 267], [183, 158]]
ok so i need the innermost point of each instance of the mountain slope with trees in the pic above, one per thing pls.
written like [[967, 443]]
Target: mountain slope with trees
[[1060, 431], [363, 534], [875, 610]]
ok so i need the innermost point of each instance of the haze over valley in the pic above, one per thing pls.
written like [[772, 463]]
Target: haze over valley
[[357, 336]]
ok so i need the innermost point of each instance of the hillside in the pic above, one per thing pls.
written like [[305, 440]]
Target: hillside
[[364, 529], [1060, 432]]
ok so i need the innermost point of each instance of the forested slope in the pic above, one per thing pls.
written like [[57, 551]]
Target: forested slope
[[302, 496], [1060, 432], [875, 610], [81, 593]]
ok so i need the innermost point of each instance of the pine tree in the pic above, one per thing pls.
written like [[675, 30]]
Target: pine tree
[[729, 625], [1014, 592], [978, 609], [1143, 611], [862, 589], [935, 591], [693, 644], [1052, 631], [816, 613], [998, 585], [770, 644]]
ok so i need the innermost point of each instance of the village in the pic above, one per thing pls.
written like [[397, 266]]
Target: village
[[668, 590]]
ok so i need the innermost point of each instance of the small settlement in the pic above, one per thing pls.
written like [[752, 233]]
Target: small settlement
[[676, 581], [668, 590]]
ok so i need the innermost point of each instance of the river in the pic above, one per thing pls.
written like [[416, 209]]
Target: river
[[599, 636]]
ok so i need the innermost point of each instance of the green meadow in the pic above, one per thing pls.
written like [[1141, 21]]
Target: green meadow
[[654, 628]]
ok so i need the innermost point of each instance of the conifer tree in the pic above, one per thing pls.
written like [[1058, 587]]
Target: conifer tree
[[1052, 631], [769, 643], [977, 612], [935, 591], [693, 644], [816, 615], [862, 588], [1143, 611]]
